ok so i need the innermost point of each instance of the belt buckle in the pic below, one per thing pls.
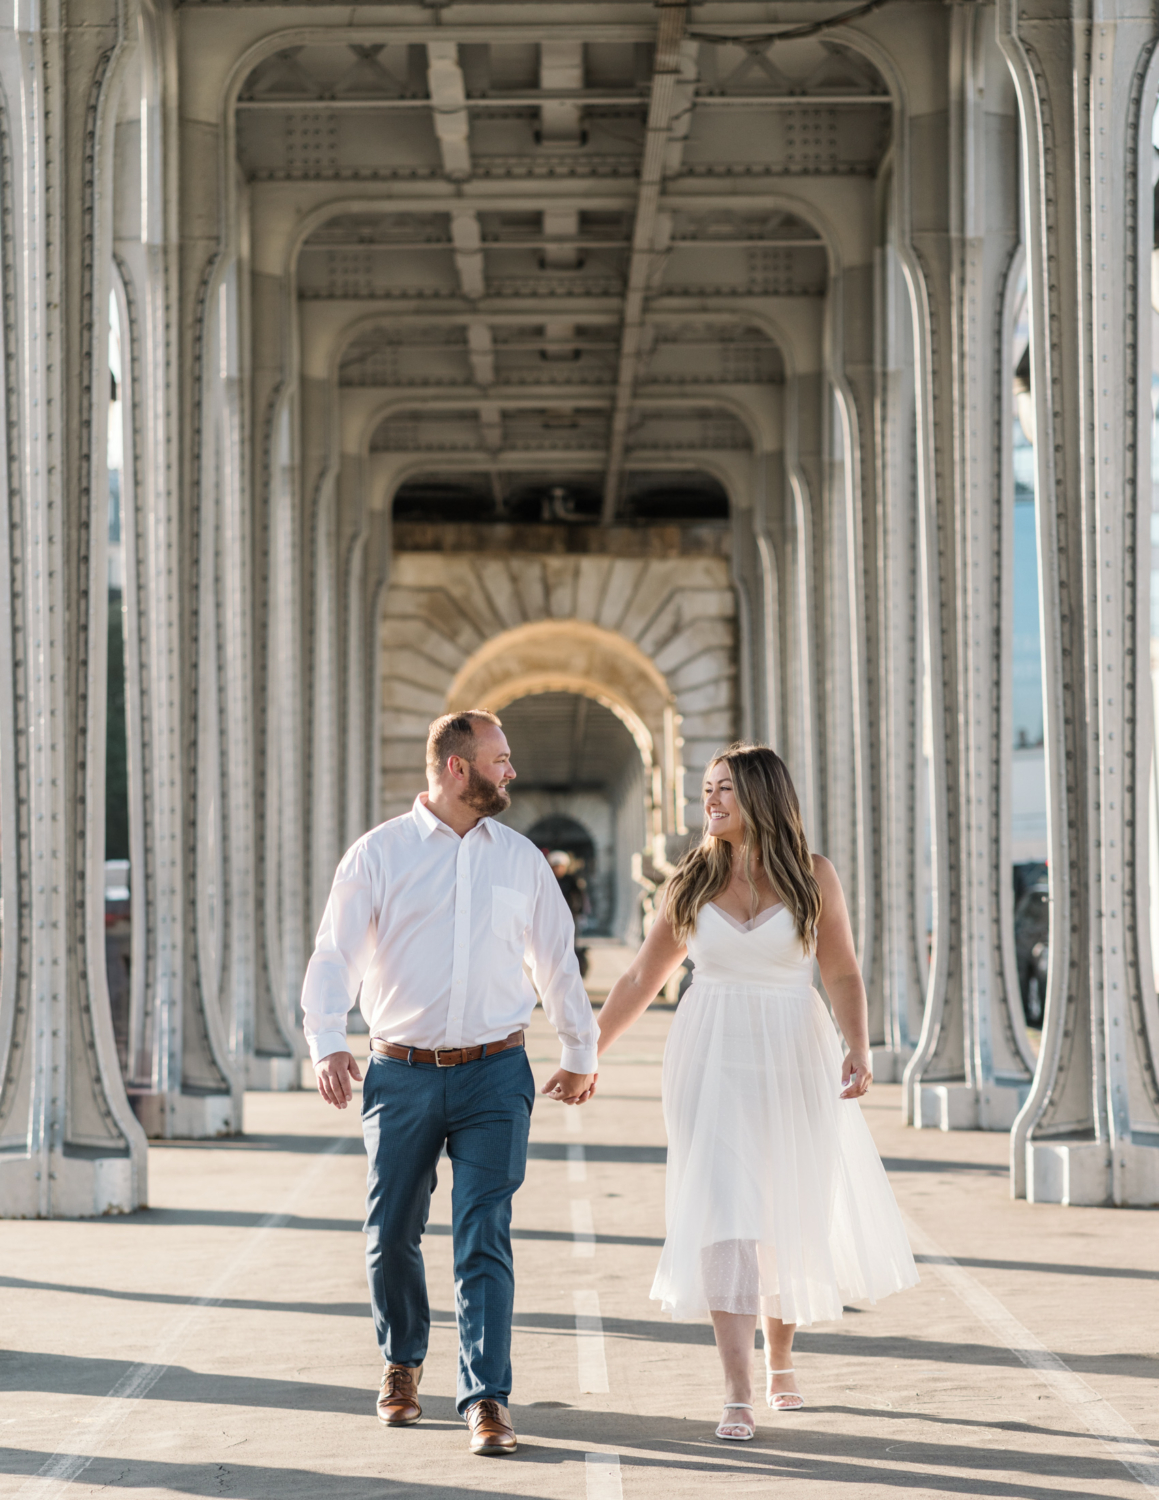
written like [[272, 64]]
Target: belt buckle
[[439, 1063]]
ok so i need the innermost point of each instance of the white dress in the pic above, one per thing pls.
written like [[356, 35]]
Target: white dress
[[777, 1202]]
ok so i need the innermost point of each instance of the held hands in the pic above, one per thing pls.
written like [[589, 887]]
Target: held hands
[[856, 1075], [334, 1074], [570, 1088]]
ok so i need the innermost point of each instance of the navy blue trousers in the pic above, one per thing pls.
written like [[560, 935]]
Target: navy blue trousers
[[481, 1111]]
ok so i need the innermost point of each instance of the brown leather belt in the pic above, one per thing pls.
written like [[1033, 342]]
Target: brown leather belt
[[444, 1057]]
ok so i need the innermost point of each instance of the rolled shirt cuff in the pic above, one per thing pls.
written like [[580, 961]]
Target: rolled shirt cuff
[[579, 1059], [325, 1043]]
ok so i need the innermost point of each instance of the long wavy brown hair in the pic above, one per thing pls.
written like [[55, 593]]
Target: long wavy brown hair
[[771, 816]]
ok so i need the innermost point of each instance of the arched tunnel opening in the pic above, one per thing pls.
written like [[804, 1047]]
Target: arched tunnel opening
[[580, 790]]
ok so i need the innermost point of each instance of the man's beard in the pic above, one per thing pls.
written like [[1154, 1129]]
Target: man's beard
[[483, 796]]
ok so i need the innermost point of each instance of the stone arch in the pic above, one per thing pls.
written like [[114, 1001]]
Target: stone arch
[[652, 638], [574, 656]]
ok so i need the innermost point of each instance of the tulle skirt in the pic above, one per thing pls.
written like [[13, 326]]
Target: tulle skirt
[[776, 1199]]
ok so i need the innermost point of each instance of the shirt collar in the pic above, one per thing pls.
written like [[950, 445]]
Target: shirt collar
[[428, 823], [426, 819]]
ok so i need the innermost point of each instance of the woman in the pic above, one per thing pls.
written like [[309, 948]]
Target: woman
[[777, 1202]]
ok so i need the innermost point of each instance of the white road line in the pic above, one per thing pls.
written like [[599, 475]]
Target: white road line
[[95, 1429], [574, 1120], [583, 1229], [603, 1476], [1117, 1435], [589, 1339], [577, 1167]]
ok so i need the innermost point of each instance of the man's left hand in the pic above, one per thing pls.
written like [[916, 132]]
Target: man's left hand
[[570, 1088]]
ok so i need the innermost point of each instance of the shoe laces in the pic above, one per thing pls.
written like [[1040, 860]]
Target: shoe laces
[[484, 1409], [399, 1380]]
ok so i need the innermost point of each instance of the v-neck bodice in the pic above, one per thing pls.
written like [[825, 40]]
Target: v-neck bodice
[[765, 951], [753, 922]]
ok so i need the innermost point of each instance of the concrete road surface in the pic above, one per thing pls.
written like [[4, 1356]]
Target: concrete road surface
[[220, 1343]]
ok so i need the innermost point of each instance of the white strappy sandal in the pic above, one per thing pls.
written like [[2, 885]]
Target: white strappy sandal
[[782, 1400], [750, 1428]]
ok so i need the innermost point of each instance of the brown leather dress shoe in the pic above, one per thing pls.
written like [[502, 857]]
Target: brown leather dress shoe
[[491, 1430], [398, 1403]]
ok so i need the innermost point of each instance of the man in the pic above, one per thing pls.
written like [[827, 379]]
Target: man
[[433, 915]]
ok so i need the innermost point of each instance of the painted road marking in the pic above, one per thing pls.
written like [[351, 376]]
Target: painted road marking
[[1113, 1430], [94, 1430], [589, 1338], [577, 1167], [603, 1476]]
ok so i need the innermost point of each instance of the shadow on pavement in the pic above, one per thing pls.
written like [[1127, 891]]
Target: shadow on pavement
[[235, 1218], [174, 1299], [312, 1145], [793, 1447], [1053, 1268], [680, 1447], [248, 1481], [303, 1145], [557, 1151], [75, 1374]]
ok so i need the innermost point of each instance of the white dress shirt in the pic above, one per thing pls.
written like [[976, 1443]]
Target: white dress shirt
[[435, 928]]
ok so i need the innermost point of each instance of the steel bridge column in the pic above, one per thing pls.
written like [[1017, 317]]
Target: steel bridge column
[[1089, 1133], [972, 1067], [69, 1144]]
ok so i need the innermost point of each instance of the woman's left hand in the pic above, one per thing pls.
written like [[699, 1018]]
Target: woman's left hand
[[856, 1075]]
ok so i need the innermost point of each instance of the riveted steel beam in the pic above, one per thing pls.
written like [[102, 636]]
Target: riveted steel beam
[[674, 65]]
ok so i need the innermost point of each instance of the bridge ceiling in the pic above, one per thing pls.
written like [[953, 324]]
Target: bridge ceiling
[[559, 493], [599, 242]]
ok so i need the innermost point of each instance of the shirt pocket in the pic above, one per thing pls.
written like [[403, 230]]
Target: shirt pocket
[[509, 914]]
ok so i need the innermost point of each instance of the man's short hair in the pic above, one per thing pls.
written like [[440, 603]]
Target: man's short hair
[[454, 734]]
